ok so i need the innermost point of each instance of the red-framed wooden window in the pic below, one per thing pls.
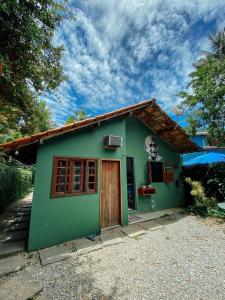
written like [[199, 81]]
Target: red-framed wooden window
[[160, 172], [73, 176]]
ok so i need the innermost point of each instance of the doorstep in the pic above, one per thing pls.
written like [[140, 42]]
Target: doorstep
[[143, 217]]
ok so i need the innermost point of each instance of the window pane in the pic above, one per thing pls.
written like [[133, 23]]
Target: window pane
[[60, 179], [91, 186], [76, 187], [61, 171], [61, 163], [157, 171], [91, 179], [60, 188], [77, 167], [77, 179], [91, 171]]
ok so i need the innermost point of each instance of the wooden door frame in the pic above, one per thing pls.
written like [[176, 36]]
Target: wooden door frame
[[120, 186], [135, 196]]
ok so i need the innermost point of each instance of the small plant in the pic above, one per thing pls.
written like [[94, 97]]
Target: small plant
[[197, 192]]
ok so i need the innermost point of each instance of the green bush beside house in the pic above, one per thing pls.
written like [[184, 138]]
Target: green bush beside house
[[15, 182], [205, 187]]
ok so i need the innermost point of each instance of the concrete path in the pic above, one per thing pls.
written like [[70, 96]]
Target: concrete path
[[133, 230], [111, 237], [85, 245], [15, 228], [11, 265], [21, 287], [150, 225], [54, 254]]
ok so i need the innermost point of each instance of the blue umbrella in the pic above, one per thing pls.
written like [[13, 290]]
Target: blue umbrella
[[209, 158]]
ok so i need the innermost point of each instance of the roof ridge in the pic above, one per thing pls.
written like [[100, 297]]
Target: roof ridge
[[74, 125]]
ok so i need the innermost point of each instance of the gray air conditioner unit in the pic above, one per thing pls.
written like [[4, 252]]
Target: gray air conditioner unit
[[113, 141]]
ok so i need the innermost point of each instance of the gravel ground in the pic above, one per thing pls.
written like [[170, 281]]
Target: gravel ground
[[184, 260]]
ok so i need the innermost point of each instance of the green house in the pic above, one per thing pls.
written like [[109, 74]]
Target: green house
[[92, 174]]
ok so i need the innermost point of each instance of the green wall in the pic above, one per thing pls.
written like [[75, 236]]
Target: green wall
[[56, 220], [167, 195]]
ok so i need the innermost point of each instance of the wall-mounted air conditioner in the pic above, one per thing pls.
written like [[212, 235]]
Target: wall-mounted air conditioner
[[113, 141]]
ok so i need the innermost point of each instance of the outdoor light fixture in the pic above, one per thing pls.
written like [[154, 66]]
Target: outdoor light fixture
[[17, 152]]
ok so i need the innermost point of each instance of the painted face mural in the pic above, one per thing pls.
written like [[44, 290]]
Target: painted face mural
[[151, 148]]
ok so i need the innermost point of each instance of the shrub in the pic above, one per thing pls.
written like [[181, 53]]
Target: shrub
[[15, 182], [203, 206], [212, 178]]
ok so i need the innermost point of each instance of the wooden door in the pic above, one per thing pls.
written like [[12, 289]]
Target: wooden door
[[110, 193]]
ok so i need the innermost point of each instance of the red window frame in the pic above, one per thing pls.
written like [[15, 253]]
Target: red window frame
[[167, 172], [86, 179]]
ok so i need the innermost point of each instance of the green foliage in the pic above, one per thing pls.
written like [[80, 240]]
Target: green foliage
[[206, 101], [208, 188], [205, 211], [212, 178], [15, 182], [77, 116], [31, 63], [197, 191], [15, 124]]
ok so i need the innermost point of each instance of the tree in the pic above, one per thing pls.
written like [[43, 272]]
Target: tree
[[77, 116], [206, 100], [29, 62], [15, 124]]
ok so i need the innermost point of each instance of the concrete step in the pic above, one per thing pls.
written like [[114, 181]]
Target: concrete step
[[16, 236], [11, 248], [11, 265]]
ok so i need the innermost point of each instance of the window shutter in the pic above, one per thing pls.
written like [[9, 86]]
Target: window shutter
[[168, 172]]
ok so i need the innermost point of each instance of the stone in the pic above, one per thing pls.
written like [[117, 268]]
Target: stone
[[11, 264], [133, 230], [54, 254], [28, 204], [17, 236], [111, 237], [21, 286], [9, 248], [24, 209], [23, 219], [84, 245], [19, 227], [150, 225], [21, 214]]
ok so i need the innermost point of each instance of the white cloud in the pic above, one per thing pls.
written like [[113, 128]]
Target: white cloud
[[120, 52]]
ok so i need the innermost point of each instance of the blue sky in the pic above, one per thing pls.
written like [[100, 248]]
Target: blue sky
[[120, 52]]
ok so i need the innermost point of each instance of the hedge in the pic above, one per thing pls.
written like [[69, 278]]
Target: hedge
[[15, 182]]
